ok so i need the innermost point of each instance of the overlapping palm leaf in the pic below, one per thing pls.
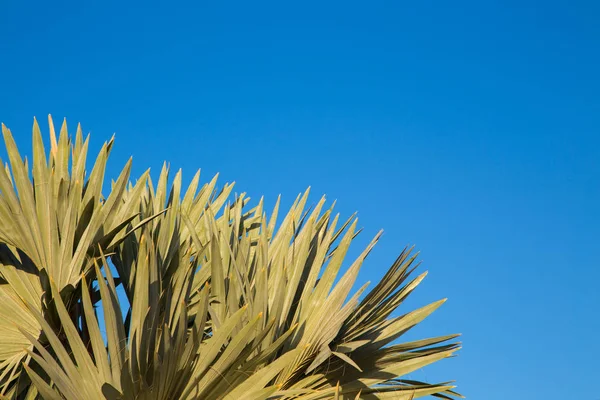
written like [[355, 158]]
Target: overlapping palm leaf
[[53, 219], [201, 296]]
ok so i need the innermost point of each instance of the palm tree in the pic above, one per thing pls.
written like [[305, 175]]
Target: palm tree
[[162, 292]]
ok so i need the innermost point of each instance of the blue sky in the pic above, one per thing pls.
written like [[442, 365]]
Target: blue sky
[[470, 129]]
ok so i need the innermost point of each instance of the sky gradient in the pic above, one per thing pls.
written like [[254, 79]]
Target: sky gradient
[[470, 130]]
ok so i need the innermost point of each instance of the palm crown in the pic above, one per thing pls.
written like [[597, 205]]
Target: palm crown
[[201, 296]]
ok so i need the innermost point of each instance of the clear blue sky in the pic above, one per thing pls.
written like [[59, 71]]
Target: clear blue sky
[[471, 129]]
